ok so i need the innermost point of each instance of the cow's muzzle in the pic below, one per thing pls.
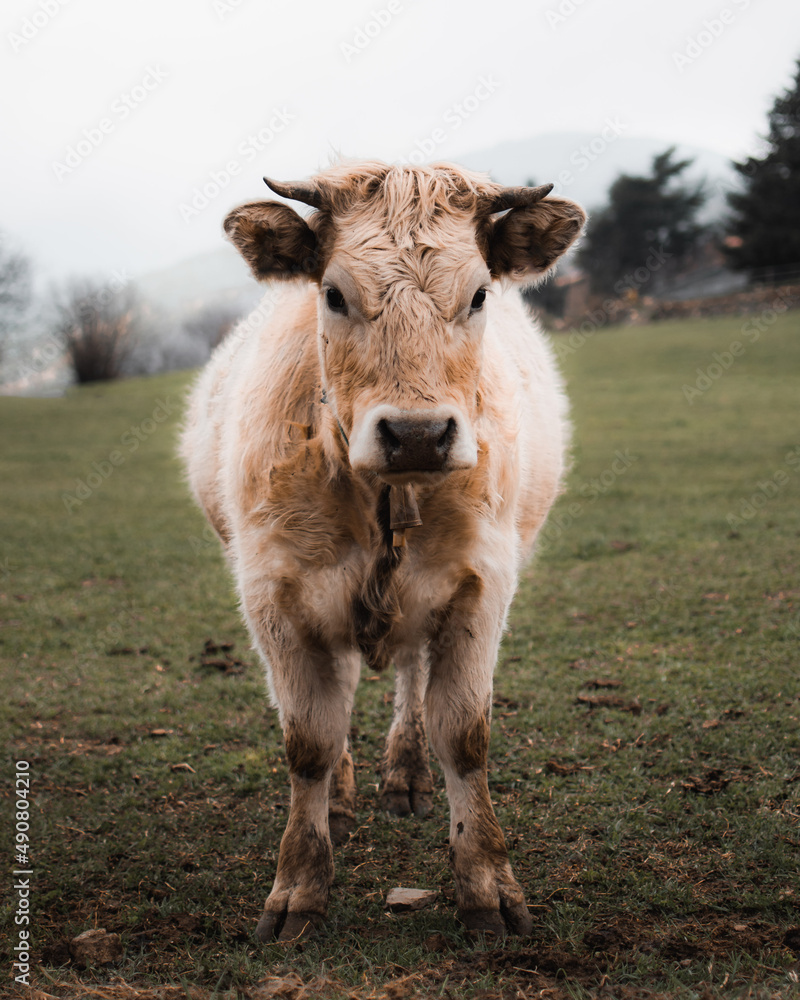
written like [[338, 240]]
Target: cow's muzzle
[[406, 444], [411, 444]]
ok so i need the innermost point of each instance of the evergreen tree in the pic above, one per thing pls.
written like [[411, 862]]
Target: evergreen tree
[[649, 218], [766, 214]]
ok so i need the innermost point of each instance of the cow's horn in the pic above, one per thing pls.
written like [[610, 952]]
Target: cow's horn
[[305, 191], [519, 197]]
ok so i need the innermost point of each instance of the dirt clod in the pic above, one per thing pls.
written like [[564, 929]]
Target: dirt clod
[[609, 701], [436, 942], [791, 940], [712, 781]]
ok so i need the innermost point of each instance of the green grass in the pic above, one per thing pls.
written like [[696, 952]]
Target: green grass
[[657, 834]]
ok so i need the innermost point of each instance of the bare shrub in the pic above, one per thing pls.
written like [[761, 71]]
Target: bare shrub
[[99, 323], [15, 288]]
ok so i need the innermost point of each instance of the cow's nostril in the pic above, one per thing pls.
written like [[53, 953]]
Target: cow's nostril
[[386, 434], [444, 442], [416, 442]]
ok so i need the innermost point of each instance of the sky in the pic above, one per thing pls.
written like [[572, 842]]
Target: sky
[[129, 130]]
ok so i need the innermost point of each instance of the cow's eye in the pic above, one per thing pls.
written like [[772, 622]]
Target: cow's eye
[[335, 301], [477, 300]]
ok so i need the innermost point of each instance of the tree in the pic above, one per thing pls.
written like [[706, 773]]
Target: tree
[[765, 224], [648, 221], [15, 288], [99, 323]]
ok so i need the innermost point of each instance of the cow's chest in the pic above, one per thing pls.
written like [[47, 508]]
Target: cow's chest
[[375, 601], [356, 589]]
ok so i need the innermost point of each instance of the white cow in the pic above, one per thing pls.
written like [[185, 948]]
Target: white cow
[[377, 459]]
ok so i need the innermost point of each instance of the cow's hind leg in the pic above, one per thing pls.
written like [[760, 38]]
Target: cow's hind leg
[[406, 782], [342, 802], [314, 691]]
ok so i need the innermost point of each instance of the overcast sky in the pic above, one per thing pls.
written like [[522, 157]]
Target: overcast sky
[[114, 115]]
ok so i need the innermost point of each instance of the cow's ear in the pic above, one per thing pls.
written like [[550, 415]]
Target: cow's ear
[[526, 242], [274, 240]]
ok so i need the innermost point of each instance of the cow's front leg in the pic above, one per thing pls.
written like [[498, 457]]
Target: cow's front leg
[[314, 691], [406, 782], [458, 708]]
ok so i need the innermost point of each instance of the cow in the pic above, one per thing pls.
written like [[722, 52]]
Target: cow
[[377, 456]]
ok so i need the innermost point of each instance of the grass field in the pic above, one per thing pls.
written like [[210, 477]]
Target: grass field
[[646, 740]]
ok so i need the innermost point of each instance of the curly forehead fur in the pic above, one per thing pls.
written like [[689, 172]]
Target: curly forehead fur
[[408, 200], [404, 223]]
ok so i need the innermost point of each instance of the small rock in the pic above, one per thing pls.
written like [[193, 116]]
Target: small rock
[[96, 947], [405, 900]]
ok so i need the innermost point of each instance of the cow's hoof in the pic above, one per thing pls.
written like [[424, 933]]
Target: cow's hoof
[[421, 802], [483, 922], [513, 919], [404, 802], [341, 826], [300, 926], [396, 803], [288, 927]]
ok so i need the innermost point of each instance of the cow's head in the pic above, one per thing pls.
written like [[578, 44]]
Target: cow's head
[[405, 259]]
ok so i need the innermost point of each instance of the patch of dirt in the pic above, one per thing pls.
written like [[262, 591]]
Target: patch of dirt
[[549, 969], [225, 663], [609, 701], [126, 891], [554, 767], [602, 682], [713, 780], [791, 940], [210, 646]]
